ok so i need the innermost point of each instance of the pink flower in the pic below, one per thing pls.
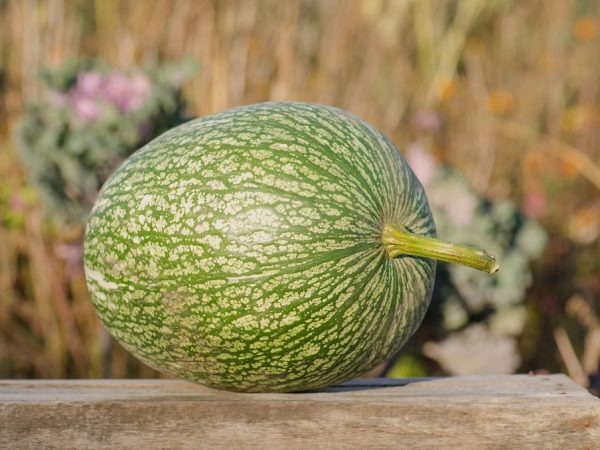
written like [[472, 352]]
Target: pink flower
[[89, 83], [534, 205], [115, 89], [421, 162], [127, 94], [16, 203], [427, 121], [93, 89], [139, 86], [85, 109]]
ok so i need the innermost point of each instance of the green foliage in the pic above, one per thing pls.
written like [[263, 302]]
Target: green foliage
[[475, 317], [497, 227], [89, 120], [407, 366]]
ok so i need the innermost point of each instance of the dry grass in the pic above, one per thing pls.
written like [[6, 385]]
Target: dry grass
[[515, 83]]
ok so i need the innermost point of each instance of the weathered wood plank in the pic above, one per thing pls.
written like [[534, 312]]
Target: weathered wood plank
[[460, 412]]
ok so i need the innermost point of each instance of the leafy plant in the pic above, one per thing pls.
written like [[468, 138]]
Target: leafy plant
[[475, 320], [89, 120]]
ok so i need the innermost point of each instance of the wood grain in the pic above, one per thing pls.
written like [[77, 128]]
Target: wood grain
[[473, 412]]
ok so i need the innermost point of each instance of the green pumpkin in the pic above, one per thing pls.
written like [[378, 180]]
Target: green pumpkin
[[272, 247]]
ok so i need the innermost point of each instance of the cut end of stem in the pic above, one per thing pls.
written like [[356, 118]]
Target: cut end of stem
[[399, 241]]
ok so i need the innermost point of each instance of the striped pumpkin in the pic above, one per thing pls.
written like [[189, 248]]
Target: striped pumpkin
[[245, 250]]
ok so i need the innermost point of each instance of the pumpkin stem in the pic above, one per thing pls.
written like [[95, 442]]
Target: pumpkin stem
[[399, 241]]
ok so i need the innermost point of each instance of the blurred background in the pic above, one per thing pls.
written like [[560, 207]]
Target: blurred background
[[495, 104]]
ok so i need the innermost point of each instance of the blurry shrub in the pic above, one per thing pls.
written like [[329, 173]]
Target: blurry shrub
[[515, 82], [475, 319], [89, 120], [14, 205]]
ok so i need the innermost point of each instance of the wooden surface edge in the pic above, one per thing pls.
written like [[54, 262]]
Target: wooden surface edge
[[456, 412]]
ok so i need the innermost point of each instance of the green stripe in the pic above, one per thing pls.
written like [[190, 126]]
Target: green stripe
[[243, 250]]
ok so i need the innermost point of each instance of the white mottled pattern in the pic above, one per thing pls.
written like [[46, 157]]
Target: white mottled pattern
[[243, 250]]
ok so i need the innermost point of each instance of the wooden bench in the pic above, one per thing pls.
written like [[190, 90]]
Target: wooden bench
[[478, 412]]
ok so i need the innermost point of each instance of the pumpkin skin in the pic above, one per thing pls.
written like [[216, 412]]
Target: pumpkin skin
[[243, 250]]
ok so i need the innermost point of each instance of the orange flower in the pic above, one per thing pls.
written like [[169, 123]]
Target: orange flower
[[547, 61], [534, 162], [501, 102], [584, 225], [585, 29], [475, 46], [568, 168], [446, 90]]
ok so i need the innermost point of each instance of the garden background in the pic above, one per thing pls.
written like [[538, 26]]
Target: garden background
[[494, 103]]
